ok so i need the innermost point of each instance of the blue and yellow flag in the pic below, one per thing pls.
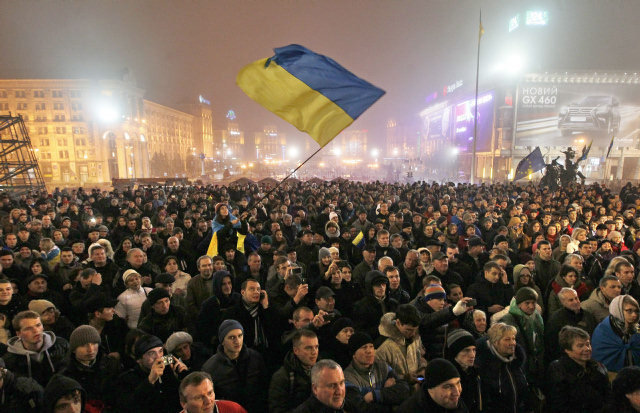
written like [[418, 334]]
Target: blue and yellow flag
[[311, 91], [530, 164], [613, 137], [359, 240], [585, 152]]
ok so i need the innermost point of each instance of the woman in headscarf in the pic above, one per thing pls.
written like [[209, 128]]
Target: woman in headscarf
[[615, 341]]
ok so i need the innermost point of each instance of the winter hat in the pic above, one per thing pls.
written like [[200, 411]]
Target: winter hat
[[333, 215], [627, 381], [226, 326], [157, 294], [165, 278], [324, 252], [59, 386], [127, 274], [339, 324], [176, 339], [438, 371], [458, 340], [357, 340], [40, 306], [266, 240], [434, 291], [526, 293], [324, 292], [146, 343], [82, 335]]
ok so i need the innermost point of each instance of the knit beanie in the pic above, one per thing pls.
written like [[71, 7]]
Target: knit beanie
[[324, 252], [127, 274], [458, 340], [40, 306], [226, 326], [434, 291], [340, 324], [526, 293], [357, 340], [438, 371], [146, 343], [157, 294], [176, 339], [82, 335]]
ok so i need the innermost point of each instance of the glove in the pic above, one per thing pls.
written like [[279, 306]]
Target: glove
[[460, 308]]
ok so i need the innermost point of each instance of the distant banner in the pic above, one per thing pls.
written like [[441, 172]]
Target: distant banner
[[561, 114]]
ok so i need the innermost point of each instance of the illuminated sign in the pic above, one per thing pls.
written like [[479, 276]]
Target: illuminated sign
[[231, 115], [464, 113], [450, 88], [203, 100], [537, 18], [514, 23]]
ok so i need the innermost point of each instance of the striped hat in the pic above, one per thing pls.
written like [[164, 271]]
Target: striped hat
[[433, 292]]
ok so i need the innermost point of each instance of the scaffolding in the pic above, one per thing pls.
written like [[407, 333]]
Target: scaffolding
[[19, 170]]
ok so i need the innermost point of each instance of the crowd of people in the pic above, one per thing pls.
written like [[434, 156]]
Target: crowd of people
[[336, 297]]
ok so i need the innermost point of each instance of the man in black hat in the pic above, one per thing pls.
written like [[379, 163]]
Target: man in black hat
[[164, 318], [441, 270], [474, 256], [112, 329], [152, 385], [367, 264], [440, 391], [307, 252], [37, 289], [372, 385]]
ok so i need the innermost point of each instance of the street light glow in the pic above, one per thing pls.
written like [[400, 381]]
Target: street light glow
[[293, 152], [375, 152], [107, 112]]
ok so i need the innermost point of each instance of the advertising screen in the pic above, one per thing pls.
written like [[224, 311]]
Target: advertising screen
[[464, 123], [570, 114]]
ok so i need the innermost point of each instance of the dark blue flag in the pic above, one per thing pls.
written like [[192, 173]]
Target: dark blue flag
[[530, 164]]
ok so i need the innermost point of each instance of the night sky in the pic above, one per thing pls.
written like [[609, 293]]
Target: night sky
[[180, 49]]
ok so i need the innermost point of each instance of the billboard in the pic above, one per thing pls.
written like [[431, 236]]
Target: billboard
[[572, 114], [464, 123]]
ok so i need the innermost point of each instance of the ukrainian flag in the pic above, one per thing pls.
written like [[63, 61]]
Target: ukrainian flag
[[311, 91], [359, 240]]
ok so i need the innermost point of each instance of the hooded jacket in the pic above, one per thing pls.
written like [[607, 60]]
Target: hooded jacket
[[368, 311], [40, 365], [404, 356]]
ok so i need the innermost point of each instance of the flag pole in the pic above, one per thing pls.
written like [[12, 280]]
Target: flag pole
[[475, 117], [282, 181]]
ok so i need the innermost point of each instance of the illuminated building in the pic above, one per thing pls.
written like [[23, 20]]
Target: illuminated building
[[269, 144], [229, 142], [87, 132]]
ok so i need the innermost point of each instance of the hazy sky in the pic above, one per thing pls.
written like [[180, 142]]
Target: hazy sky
[[180, 49]]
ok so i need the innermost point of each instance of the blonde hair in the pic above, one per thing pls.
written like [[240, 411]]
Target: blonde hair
[[499, 330]]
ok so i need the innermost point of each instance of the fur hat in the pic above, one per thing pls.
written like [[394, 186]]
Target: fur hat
[[40, 306], [176, 339]]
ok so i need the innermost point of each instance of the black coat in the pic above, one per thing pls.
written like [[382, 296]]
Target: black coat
[[163, 325], [565, 317], [290, 386], [503, 384], [488, 294], [433, 328], [242, 381], [574, 389], [422, 402], [313, 405], [133, 393]]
